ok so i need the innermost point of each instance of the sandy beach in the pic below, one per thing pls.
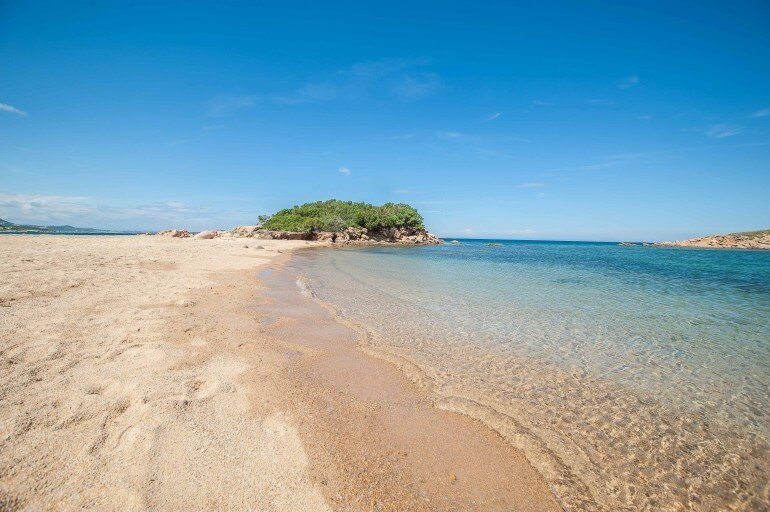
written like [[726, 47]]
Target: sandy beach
[[149, 373]]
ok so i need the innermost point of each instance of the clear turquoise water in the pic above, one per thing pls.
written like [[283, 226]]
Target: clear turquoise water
[[632, 377]]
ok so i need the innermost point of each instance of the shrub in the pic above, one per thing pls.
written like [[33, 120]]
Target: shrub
[[334, 215]]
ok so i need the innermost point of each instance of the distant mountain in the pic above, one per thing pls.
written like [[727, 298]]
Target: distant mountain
[[10, 227], [73, 229]]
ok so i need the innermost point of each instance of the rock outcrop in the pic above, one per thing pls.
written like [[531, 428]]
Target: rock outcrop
[[350, 236], [747, 240], [207, 235], [175, 233]]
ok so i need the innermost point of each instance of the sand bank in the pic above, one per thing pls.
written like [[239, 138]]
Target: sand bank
[[150, 373]]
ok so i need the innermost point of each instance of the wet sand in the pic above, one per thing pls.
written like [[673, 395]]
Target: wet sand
[[374, 437], [147, 373]]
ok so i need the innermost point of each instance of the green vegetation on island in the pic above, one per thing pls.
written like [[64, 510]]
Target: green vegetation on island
[[335, 216]]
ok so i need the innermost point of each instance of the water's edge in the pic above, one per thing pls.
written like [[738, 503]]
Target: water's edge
[[598, 445], [569, 489]]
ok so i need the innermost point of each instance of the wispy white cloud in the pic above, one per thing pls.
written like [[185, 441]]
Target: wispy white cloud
[[178, 142], [15, 169], [645, 117], [385, 66], [628, 82], [409, 87], [515, 138], [402, 191], [654, 157], [4, 107], [721, 131], [309, 93], [84, 211], [404, 80], [25, 207], [344, 171], [402, 136], [621, 160], [532, 185], [485, 145], [761, 113], [494, 116], [226, 104], [541, 103]]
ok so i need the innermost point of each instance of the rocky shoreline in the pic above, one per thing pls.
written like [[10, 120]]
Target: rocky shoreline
[[747, 240], [350, 236]]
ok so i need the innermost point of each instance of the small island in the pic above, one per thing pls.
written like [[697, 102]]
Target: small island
[[336, 222], [744, 240]]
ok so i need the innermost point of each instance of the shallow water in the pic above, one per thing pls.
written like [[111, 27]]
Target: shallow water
[[632, 378]]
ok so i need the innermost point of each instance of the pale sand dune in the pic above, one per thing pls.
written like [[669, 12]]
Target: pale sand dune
[[152, 373], [101, 410]]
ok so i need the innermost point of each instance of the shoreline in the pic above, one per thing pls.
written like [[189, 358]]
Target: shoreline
[[147, 373], [569, 421], [386, 402], [570, 490]]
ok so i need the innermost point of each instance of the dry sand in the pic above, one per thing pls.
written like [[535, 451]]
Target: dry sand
[[147, 373]]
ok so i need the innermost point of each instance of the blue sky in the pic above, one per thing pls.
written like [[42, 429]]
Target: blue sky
[[584, 120]]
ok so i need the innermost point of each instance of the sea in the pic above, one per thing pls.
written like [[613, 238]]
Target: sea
[[632, 378]]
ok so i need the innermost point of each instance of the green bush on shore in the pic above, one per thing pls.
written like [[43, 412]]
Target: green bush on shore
[[334, 215]]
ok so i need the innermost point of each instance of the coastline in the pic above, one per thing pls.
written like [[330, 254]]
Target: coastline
[[378, 433], [571, 491], [751, 240], [144, 373]]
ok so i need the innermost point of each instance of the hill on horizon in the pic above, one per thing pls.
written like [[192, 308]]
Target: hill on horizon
[[10, 227]]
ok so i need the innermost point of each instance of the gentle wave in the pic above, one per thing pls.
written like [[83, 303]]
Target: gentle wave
[[631, 379]]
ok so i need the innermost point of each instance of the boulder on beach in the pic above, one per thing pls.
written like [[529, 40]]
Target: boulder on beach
[[175, 233], [244, 231], [206, 235]]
